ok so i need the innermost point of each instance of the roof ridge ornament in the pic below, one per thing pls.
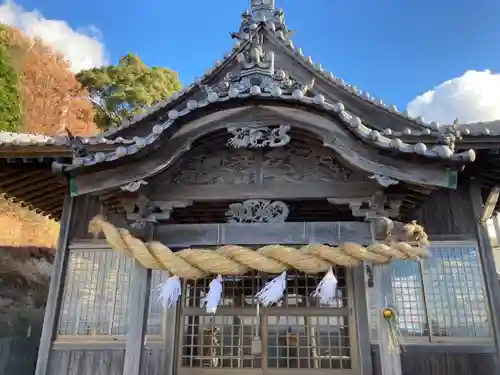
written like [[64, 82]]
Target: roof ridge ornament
[[450, 135], [255, 58], [263, 13], [260, 5], [257, 71]]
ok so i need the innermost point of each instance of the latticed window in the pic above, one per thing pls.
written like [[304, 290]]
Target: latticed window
[[441, 298], [157, 314], [96, 291], [96, 296], [298, 332]]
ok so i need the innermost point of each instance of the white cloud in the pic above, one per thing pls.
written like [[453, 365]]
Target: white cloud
[[81, 47], [472, 97]]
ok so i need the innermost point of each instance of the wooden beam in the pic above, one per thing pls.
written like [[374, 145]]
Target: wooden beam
[[488, 263], [313, 190], [185, 235], [54, 299], [490, 204]]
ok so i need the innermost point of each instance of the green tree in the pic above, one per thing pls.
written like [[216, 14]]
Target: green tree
[[10, 97], [121, 91]]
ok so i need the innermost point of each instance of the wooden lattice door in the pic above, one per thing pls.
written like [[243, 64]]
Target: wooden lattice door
[[299, 334]]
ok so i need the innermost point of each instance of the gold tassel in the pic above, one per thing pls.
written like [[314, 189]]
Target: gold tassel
[[395, 337]]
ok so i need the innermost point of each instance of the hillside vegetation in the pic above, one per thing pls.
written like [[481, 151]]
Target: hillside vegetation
[[39, 94]]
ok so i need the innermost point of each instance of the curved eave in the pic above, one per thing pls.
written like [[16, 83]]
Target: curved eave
[[10, 142], [354, 124], [484, 137], [472, 130]]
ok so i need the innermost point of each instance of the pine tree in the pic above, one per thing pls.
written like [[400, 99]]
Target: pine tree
[[124, 90]]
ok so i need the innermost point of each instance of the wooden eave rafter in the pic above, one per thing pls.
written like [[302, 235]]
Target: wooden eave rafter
[[34, 186]]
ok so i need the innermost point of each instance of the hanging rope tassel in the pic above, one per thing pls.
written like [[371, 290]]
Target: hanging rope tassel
[[326, 290], [211, 301], [170, 291], [273, 290], [395, 337]]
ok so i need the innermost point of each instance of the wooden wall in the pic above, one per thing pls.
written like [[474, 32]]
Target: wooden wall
[[86, 361], [153, 361], [447, 213], [442, 360], [18, 355], [23, 292], [99, 360]]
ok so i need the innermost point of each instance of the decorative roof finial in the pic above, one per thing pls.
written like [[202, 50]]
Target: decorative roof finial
[[259, 5], [262, 9], [264, 13]]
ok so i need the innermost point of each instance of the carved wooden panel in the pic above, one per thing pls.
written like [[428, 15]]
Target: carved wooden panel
[[227, 166], [294, 163], [298, 163]]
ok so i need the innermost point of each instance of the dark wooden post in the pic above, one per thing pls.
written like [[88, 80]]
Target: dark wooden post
[[361, 317], [487, 262], [54, 299], [138, 307], [169, 329]]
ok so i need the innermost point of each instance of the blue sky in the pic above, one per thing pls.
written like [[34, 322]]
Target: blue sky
[[393, 49]]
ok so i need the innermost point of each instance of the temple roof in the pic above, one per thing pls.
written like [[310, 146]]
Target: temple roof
[[263, 67], [409, 136], [250, 53]]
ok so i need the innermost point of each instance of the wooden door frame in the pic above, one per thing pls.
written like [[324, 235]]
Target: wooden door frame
[[267, 312]]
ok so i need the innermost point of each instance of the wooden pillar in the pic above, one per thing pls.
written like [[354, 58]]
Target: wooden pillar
[[361, 317], [487, 262], [496, 251], [390, 362], [496, 225], [169, 338], [138, 307], [54, 299]]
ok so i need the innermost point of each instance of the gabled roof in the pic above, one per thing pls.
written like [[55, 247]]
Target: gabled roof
[[272, 20], [263, 35], [266, 21], [258, 77]]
